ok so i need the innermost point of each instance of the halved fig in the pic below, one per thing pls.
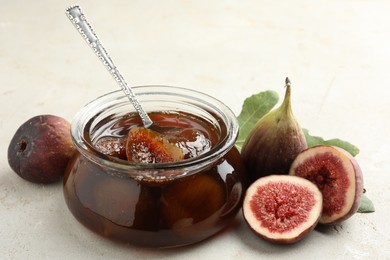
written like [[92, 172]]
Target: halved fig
[[148, 146], [337, 175], [282, 208]]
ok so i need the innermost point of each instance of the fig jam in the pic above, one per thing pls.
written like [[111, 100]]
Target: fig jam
[[155, 204]]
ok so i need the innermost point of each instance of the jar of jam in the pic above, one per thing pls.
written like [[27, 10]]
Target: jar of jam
[[152, 203]]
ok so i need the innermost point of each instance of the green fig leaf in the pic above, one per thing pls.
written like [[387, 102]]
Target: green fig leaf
[[366, 205], [254, 108], [316, 140]]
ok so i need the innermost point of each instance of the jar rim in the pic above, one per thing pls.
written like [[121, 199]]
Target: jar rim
[[102, 103]]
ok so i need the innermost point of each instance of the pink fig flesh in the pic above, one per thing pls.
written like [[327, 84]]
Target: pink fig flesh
[[282, 208], [338, 176]]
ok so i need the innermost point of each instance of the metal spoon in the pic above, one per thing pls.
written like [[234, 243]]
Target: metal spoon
[[78, 19]]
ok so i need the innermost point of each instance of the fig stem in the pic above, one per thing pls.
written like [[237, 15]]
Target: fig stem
[[288, 82], [286, 105]]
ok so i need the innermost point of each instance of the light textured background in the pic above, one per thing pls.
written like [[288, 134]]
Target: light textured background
[[336, 53]]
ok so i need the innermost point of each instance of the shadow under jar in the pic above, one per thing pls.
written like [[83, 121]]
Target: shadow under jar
[[155, 204]]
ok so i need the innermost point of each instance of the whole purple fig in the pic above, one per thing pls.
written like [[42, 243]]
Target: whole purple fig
[[41, 148], [274, 142]]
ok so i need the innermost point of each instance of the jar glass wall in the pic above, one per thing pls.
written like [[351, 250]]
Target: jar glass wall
[[159, 204]]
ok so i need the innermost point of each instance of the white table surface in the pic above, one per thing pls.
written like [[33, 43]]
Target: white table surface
[[336, 53]]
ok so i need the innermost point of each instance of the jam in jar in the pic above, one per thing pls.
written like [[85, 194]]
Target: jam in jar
[[116, 187]]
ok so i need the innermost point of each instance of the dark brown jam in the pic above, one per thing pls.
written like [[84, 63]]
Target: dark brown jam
[[118, 203]]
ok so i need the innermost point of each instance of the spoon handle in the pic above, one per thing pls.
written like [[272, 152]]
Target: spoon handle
[[79, 20]]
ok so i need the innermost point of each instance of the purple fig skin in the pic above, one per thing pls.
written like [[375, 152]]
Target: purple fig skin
[[274, 142], [41, 148], [355, 173], [359, 186]]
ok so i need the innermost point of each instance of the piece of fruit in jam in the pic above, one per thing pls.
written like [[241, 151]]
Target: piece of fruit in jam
[[148, 146], [174, 137], [114, 146], [192, 142]]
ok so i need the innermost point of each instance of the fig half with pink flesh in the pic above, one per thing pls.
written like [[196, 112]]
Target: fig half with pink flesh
[[337, 175], [282, 208]]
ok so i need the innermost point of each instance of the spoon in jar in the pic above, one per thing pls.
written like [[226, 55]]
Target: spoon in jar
[[79, 20]]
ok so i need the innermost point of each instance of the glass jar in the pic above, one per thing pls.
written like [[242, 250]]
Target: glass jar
[[161, 204]]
